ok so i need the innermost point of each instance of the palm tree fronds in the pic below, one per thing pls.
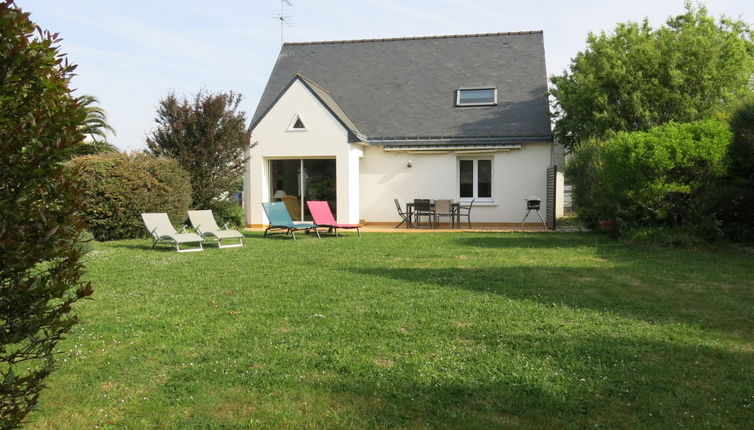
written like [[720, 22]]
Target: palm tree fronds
[[95, 125]]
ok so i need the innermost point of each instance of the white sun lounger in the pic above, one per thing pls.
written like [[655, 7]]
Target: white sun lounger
[[204, 223], [161, 229]]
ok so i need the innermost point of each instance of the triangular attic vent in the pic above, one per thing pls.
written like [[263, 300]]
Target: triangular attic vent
[[297, 124]]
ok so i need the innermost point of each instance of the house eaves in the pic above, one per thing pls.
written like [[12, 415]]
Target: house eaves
[[455, 140], [455, 148]]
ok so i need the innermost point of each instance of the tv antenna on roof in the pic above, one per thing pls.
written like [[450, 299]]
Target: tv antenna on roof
[[283, 18]]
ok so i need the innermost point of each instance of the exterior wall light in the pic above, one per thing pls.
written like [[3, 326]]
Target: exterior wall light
[[408, 164]]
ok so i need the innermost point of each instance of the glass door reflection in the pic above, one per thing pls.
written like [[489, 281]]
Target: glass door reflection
[[318, 182]]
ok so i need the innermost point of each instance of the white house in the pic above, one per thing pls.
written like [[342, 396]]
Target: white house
[[362, 122]]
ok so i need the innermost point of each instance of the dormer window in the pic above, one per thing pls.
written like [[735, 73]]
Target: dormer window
[[477, 96], [297, 124]]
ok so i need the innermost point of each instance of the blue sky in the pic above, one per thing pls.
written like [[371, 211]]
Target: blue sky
[[131, 53]]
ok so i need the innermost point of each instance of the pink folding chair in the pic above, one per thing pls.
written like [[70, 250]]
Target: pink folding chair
[[322, 217]]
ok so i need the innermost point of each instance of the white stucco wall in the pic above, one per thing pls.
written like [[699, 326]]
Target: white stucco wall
[[324, 137], [516, 175]]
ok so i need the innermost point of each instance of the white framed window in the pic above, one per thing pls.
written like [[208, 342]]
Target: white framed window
[[476, 96], [475, 178], [296, 124]]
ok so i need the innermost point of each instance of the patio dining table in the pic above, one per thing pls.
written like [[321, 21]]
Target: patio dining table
[[454, 207]]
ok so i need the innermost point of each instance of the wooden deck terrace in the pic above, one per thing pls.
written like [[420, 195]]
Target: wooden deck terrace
[[381, 227]]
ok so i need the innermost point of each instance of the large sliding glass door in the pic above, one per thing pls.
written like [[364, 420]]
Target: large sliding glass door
[[294, 181]]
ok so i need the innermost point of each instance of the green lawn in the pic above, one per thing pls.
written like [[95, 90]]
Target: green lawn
[[437, 330]]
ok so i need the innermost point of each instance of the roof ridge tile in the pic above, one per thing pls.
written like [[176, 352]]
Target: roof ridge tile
[[398, 39]]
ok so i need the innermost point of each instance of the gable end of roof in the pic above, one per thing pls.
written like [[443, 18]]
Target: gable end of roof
[[324, 99]]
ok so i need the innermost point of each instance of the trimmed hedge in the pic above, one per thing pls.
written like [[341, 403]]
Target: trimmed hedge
[[119, 187]]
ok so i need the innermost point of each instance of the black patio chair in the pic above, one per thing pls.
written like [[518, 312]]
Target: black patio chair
[[466, 211], [405, 219], [423, 207]]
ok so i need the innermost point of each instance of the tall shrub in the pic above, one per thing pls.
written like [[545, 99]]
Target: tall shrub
[[40, 260], [119, 187], [653, 178]]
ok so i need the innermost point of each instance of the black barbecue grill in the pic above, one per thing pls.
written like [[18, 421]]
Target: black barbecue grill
[[533, 203]]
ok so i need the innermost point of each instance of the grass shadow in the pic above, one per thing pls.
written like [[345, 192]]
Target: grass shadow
[[627, 290], [142, 245], [523, 381], [534, 240], [596, 381]]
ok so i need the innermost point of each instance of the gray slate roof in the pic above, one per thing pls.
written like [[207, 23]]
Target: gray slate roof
[[399, 91]]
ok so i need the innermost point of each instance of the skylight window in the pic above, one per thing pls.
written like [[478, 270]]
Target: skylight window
[[484, 96]]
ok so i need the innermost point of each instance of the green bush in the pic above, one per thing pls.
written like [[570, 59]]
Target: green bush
[[228, 211], [733, 202], [119, 187], [583, 171], [660, 177], [741, 150]]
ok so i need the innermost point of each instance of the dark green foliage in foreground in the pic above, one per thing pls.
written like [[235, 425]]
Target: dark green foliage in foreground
[[424, 331], [637, 77], [733, 203], [660, 177], [119, 187], [40, 264], [207, 137]]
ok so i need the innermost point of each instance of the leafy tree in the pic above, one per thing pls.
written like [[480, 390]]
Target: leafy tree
[[638, 77], [207, 138], [40, 264], [95, 127]]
